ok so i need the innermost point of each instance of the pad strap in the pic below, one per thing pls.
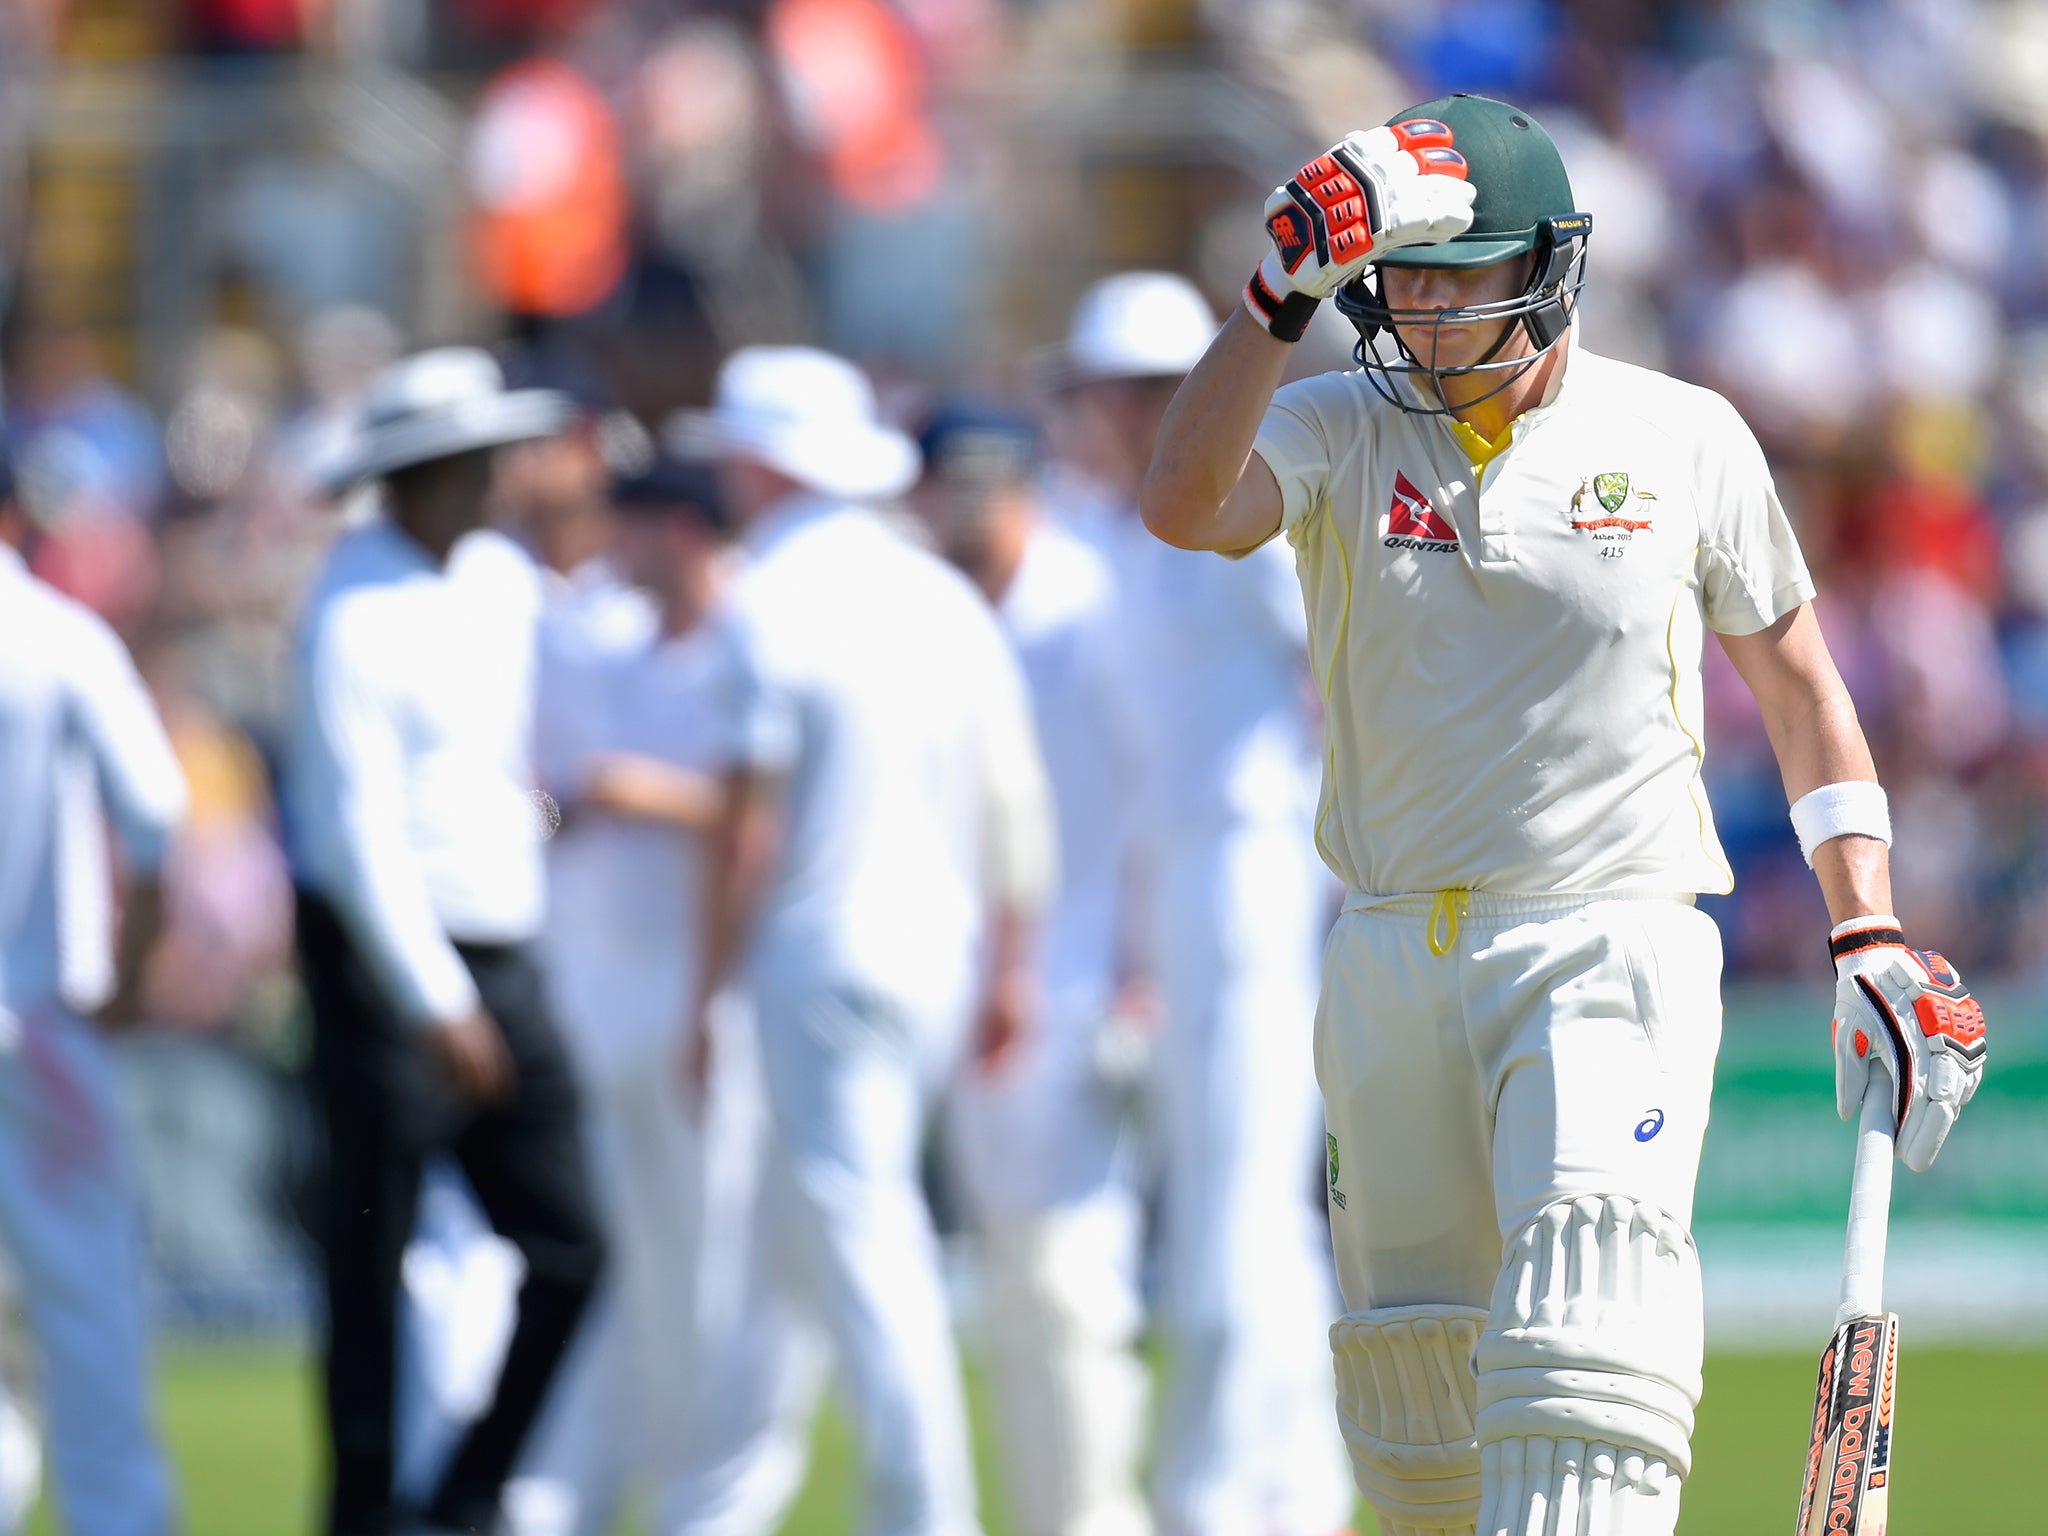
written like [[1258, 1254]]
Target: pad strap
[[1852, 808]]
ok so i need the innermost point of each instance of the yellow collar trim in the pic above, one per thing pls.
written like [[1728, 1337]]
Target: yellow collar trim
[[1478, 449]]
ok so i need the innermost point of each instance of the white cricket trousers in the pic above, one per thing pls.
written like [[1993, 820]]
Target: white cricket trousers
[[1504, 1118], [850, 1080], [689, 1378], [71, 1218], [1247, 1440], [1040, 1150]]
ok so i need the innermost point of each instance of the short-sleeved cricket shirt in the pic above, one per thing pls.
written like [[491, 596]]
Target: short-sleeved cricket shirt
[[1510, 659]]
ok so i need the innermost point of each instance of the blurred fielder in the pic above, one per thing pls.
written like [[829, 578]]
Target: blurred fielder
[[77, 733], [1511, 549], [886, 845], [629, 733], [1042, 1147], [420, 889], [1236, 912]]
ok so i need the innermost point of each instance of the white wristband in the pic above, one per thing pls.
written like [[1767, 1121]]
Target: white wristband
[[1852, 808]]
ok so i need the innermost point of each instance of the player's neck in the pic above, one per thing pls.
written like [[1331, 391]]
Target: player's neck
[[1490, 414], [686, 591], [1002, 554]]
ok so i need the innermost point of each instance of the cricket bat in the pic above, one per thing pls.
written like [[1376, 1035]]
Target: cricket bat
[[1848, 1464]]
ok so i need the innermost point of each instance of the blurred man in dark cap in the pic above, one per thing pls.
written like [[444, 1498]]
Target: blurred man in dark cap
[[627, 730], [1042, 1149], [420, 882]]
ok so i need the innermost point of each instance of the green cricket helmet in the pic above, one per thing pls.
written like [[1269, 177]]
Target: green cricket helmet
[[1522, 207]]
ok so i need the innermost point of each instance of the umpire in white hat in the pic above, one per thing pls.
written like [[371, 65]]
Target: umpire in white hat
[[417, 857], [886, 848]]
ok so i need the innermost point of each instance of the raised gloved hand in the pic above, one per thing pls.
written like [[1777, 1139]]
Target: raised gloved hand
[[1374, 192], [1907, 1011]]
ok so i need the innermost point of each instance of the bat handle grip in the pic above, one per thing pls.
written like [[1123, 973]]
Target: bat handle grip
[[1870, 1201]]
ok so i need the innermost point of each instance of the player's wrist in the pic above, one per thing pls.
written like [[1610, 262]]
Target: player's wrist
[[1871, 930], [1849, 808], [1271, 298]]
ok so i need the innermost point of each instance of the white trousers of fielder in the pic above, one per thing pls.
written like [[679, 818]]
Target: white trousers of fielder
[[1042, 1161], [672, 1382], [1514, 1136], [71, 1218], [851, 1079], [1247, 1443]]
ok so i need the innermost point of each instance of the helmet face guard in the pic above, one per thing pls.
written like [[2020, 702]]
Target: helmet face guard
[[1544, 308]]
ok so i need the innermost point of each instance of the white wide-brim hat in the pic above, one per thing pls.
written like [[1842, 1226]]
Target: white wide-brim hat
[[438, 404], [1135, 325], [805, 414]]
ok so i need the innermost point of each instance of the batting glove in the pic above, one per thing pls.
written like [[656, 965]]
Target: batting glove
[[1374, 192], [1908, 1011]]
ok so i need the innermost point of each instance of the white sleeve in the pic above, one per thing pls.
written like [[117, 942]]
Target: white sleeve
[[1019, 838], [377, 883], [762, 727], [573, 714], [1294, 440], [138, 772], [1751, 570]]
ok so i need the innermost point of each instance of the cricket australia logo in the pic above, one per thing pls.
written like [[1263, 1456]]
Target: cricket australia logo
[[1336, 1194], [1612, 532], [1412, 523]]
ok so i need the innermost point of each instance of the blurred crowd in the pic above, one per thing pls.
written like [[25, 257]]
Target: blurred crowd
[[1835, 212]]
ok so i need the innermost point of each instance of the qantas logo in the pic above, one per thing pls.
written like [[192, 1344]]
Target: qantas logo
[[1412, 523]]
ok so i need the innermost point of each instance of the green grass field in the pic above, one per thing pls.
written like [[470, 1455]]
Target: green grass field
[[241, 1424]]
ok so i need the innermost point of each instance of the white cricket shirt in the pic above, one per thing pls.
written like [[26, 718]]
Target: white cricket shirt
[[1225, 714], [77, 731], [625, 921], [411, 767], [590, 620], [1061, 614], [877, 679], [1510, 666]]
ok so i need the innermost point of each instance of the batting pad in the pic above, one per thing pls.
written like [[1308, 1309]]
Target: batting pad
[[1589, 1373], [1575, 1488], [1405, 1400]]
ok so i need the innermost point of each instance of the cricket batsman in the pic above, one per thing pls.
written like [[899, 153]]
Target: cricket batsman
[[1511, 549]]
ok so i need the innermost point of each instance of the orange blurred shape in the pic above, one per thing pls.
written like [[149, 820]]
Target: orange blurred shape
[[1939, 524], [548, 185], [855, 81]]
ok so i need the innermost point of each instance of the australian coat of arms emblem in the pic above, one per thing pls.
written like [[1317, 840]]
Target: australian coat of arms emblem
[[1613, 531]]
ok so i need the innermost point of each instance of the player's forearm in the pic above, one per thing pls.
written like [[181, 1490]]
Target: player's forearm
[[1855, 876], [1819, 741], [1207, 437], [648, 789], [142, 924], [1812, 725], [1013, 943], [745, 849]]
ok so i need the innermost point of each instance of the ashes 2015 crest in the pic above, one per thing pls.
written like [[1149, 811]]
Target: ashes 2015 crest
[[1612, 532]]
